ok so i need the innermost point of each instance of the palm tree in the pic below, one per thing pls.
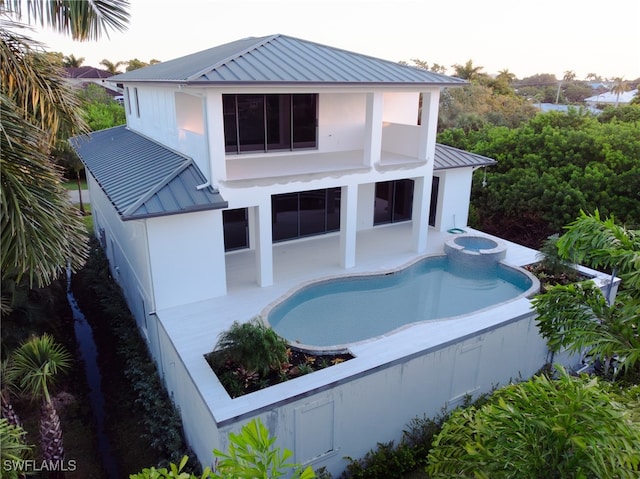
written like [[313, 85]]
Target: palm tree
[[40, 231], [569, 75], [72, 62], [619, 87], [468, 71], [506, 76], [6, 385], [111, 67], [37, 362], [579, 316]]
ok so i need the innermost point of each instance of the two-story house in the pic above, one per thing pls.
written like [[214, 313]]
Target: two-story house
[[253, 166]]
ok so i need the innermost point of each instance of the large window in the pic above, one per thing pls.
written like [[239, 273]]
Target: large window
[[269, 122], [305, 213], [393, 202]]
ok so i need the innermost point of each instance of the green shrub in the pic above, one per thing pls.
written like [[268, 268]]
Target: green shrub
[[252, 346], [569, 427]]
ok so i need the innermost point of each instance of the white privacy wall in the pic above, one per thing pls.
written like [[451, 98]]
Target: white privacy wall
[[330, 414]]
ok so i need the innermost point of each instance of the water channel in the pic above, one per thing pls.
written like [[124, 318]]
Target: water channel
[[89, 355]]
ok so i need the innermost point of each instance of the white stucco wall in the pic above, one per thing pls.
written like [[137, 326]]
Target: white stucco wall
[[330, 414], [187, 257], [453, 198]]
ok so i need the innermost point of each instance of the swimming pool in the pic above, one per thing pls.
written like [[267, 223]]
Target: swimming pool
[[339, 311]]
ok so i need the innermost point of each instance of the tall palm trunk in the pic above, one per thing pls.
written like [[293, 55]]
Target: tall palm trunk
[[8, 412], [51, 438]]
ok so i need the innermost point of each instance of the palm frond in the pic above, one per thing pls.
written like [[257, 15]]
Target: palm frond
[[82, 19], [35, 83], [41, 231], [37, 362]]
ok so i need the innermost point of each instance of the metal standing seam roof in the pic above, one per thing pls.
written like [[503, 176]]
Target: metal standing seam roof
[[280, 59], [142, 178], [447, 157]]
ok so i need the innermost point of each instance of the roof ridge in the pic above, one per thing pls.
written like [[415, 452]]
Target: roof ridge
[[259, 42], [161, 184]]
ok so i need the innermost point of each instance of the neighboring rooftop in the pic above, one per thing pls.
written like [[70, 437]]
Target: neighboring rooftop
[[160, 182], [279, 59], [87, 73], [612, 98]]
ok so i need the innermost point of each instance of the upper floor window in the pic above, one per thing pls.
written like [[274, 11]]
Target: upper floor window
[[270, 122]]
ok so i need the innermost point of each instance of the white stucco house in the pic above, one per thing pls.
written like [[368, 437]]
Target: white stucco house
[[253, 167]]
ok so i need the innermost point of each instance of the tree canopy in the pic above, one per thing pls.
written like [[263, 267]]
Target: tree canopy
[[552, 167]]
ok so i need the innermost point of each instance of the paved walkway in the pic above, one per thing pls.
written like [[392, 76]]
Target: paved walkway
[[75, 196]]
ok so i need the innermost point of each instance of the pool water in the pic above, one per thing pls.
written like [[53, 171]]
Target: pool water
[[345, 310]]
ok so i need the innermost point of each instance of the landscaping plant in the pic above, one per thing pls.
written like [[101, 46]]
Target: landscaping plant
[[252, 454], [569, 427]]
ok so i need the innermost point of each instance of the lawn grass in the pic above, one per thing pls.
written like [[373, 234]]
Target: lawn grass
[[73, 184]]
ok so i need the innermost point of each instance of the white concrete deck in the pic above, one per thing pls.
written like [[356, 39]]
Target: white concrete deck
[[194, 328]]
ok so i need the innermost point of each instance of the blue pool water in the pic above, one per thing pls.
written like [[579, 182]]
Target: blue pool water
[[346, 310]]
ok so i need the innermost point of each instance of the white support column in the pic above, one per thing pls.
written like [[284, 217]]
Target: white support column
[[215, 137], [348, 225], [422, 186], [420, 220], [373, 129], [264, 244], [428, 125]]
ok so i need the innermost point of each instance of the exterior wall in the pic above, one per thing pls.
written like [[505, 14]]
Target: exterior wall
[[187, 257], [348, 417], [341, 120], [125, 245], [453, 198]]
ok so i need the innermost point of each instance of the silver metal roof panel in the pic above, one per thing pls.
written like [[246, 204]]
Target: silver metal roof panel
[[448, 157], [142, 178], [280, 59]]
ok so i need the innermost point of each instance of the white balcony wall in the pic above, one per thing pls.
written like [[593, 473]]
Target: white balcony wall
[[341, 120], [401, 139], [401, 107]]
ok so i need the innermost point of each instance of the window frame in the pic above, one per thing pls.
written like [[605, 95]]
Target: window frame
[[274, 129]]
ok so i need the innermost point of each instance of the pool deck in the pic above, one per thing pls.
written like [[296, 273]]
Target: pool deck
[[194, 328]]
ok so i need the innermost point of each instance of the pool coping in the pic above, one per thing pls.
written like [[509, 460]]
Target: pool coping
[[346, 347]]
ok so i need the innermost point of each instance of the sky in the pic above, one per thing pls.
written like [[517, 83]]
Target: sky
[[527, 38]]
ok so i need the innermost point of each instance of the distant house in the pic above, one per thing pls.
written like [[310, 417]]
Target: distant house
[[81, 76], [252, 168], [609, 98]]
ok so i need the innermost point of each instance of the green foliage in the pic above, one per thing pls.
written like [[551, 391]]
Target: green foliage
[[161, 421], [387, 460], [390, 460], [579, 318], [600, 242], [36, 363], [253, 346], [99, 109], [12, 448], [553, 166], [474, 106], [552, 261], [252, 454], [569, 427]]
